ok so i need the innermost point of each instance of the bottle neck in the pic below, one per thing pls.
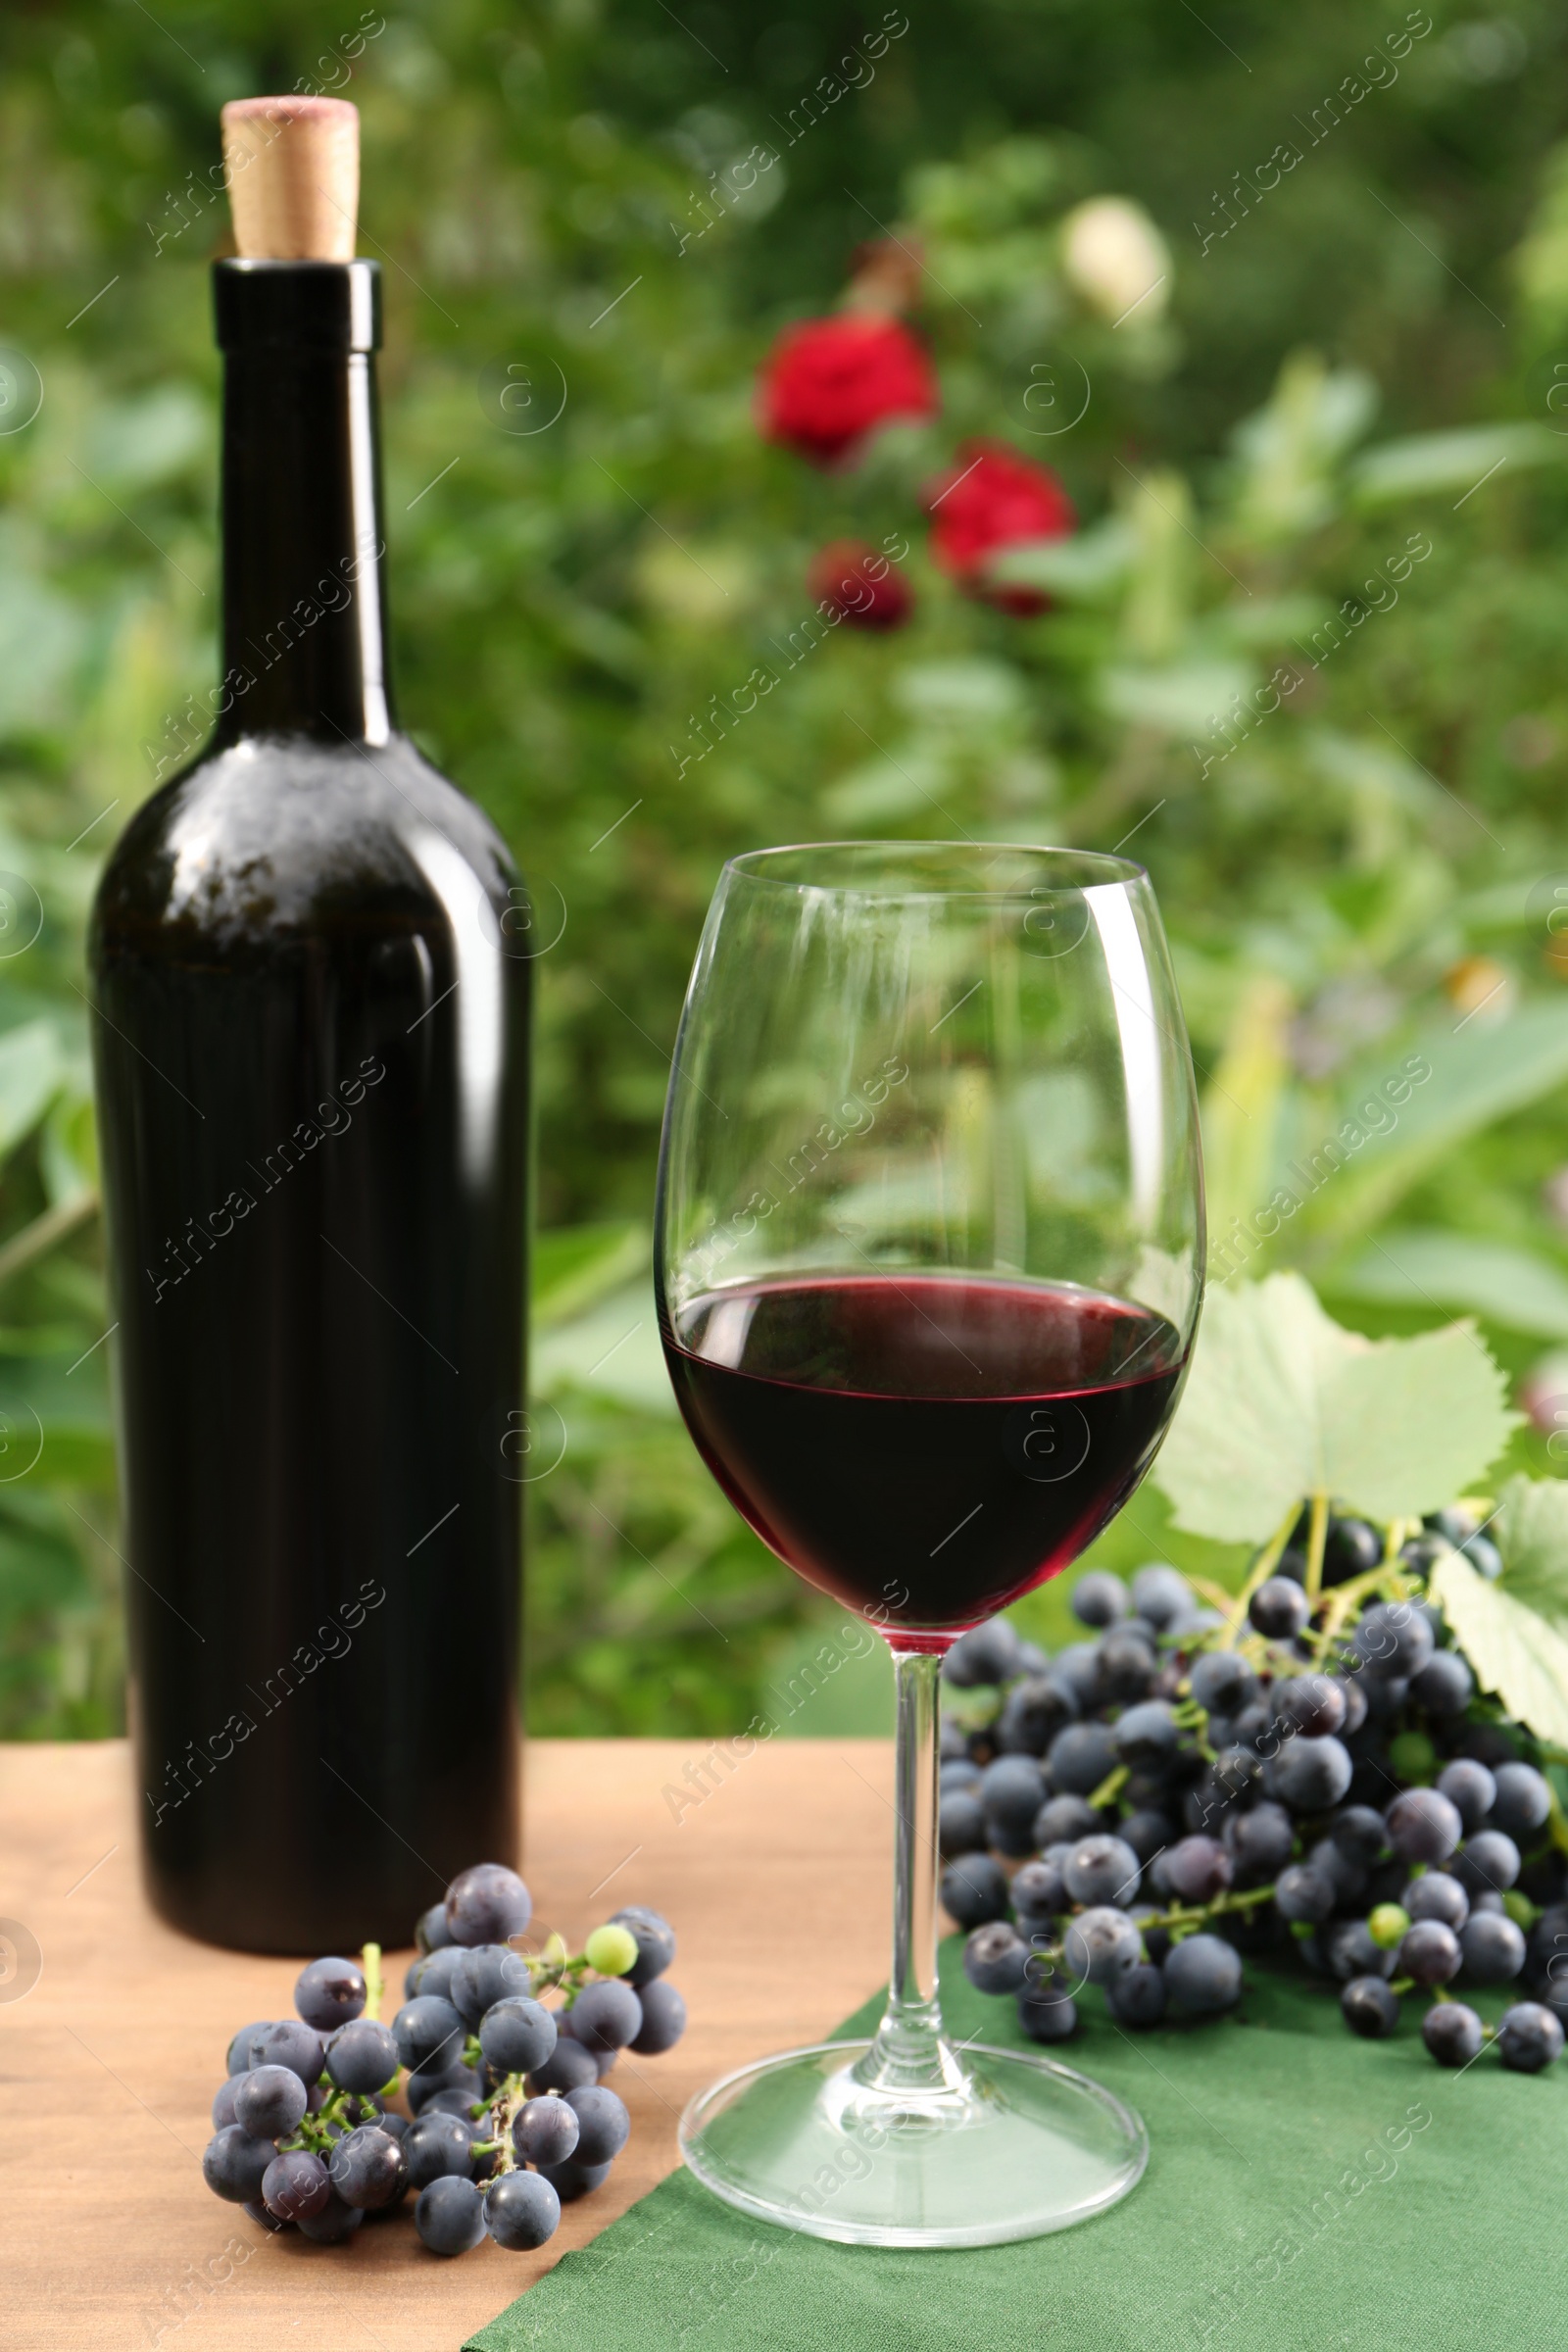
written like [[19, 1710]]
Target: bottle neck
[[304, 586]]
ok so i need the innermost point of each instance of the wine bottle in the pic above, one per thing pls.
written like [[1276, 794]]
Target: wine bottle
[[309, 979]]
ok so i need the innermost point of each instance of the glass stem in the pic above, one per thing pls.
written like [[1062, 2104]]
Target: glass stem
[[909, 2052]]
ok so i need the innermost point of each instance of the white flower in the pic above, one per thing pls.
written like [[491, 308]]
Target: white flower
[[1115, 258]]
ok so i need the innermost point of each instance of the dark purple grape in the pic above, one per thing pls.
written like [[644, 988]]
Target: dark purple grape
[[1350, 1547], [370, 2169], [572, 2180], [295, 2185], [1035, 1712], [1529, 2037], [1147, 1833], [1039, 1891], [482, 1975], [1099, 1599], [974, 1889], [1103, 1870], [1523, 1801], [1046, 2014], [1452, 2033], [1370, 2007], [432, 1935], [268, 2101], [234, 2164], [1138, 1999], [1222, 1682], [1161, 1594], [1260, 1843], [1146, 1734], [1063, 1820], [517, 2035], [607, 2016], [1470, 1788], [1435, 1894], [1198, 1869], [1279, 1608], [1394, 1639], [1302, 1892], [450, 2215], [255, 2210], [333, 2223], [960, 1825], [435, 2146], [1423, 1826], [568, 2067], [1012, 1793], [487, 1904], [1486, 1864], [521, 2211], [664, 2019], [224, 2102], [239, 2060], [429, 2082], [1309, 1775], [603, 2125], [329, 1993], [986, 1655], [654, 1940], [363, 2057], [1202, 1976], [1313, 1703], [1443, 1684], [1081, 1757], [427, 2031], [1361, 1834], [1101, 1944], [544, 2131], [1351, 1949], [1429, 1953], [996, 1957], [1494, 1948]]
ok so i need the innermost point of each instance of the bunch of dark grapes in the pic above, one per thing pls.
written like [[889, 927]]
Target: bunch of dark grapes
[[1315, 1771], [508, 2117]]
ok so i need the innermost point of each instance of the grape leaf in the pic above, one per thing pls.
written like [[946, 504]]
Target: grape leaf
[[1283, 1403], [1515, 1631]]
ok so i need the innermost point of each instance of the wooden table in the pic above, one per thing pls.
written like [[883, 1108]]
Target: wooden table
[[776, 1880]]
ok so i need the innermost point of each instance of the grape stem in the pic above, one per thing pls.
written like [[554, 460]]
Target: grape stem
[[1317, 1535]]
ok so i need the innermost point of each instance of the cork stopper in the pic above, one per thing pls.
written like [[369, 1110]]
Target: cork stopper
[[293, 170]]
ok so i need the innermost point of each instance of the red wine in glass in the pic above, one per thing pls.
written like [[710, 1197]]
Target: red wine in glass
[[930, 1253], [947, 1440]]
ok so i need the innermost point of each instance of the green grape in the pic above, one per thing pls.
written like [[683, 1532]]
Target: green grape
[[1387, 1923], [612, 1950]]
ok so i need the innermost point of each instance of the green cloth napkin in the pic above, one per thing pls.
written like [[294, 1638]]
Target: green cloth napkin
[[1305, 2191]]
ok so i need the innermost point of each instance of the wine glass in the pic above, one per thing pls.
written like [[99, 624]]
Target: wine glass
[[929, 1264]]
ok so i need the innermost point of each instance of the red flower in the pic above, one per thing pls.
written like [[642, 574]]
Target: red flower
[[990, 500], [862, 586], [830, 381]]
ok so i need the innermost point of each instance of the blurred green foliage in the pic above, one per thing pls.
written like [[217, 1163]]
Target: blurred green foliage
[[1363, 354]]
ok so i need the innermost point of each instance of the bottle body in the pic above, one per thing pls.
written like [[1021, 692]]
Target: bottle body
[[311, 987]]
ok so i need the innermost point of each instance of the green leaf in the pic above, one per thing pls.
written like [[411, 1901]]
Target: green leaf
[[1426, 1268], [32, 1066], [1476, 1073], [1088, 566], [1181, 700], [576, 1266], [1515, 1631], [1449, 460], [1283, 1403]]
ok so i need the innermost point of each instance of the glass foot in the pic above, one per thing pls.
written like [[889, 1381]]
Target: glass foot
[[1008, 2145]]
